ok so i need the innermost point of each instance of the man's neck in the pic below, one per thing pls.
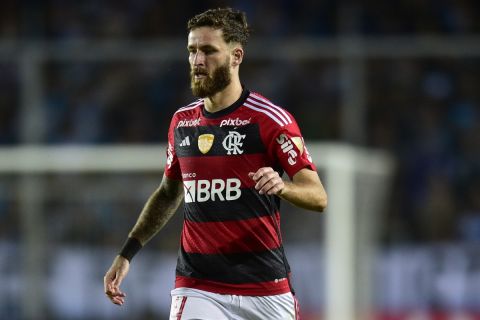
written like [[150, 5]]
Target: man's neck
[[224, 98]]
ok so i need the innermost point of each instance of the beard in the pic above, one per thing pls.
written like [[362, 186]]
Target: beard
[[211, 84]]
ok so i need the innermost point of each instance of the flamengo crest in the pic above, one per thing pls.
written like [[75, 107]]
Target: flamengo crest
[[233, 142]]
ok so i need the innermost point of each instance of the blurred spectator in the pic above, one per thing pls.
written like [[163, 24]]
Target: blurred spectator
[[9, 101]]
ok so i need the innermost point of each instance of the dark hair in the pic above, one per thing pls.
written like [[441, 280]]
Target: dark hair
[[232, 22]]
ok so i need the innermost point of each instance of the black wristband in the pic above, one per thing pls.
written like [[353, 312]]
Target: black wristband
[[130, 248]]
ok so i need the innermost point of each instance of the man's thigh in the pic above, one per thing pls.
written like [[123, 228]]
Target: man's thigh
[[283, 306]]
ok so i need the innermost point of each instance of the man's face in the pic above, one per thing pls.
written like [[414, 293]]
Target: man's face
[[209, 57]]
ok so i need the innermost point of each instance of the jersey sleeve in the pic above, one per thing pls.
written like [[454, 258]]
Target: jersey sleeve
[[172, 167], [287, 147]]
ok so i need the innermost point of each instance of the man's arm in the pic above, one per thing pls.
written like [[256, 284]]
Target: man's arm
[[159, 208], [305, 190]]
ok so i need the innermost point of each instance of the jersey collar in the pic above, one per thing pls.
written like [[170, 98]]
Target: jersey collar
[[229, 109]]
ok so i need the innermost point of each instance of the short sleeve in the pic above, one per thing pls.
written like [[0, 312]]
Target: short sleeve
[[172, 167], [287, 146]]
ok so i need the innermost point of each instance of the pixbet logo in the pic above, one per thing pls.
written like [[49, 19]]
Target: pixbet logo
[[214, 190], [188, 123], [287, 147], [234, 122]]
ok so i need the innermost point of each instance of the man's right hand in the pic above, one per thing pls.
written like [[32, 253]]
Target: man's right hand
[[114, 277]]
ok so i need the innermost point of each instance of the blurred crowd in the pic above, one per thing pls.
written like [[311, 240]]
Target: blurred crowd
[[425, 111], [148, 19]]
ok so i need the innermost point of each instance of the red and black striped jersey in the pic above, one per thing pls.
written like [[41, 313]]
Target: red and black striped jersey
[[231, 241]]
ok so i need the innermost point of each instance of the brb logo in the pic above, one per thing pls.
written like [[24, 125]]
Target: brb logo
[[287, 147], [214, 190], [233, 142]]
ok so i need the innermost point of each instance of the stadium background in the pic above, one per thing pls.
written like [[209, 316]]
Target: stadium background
[[417, 98]]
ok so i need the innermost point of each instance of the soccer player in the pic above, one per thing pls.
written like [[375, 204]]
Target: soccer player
[[226, 154]]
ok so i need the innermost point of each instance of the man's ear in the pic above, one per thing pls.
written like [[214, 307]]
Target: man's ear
[[237, 56]]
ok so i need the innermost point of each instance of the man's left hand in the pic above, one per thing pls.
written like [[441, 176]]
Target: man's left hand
[[268, 181]]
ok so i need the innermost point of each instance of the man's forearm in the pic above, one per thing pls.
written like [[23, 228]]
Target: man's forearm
[[159, 208], [305, 191], [305, 196]]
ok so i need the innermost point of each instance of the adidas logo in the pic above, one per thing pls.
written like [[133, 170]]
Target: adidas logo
[[185, 142]]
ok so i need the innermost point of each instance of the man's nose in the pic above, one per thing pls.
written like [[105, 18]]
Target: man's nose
[[199, 59]]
